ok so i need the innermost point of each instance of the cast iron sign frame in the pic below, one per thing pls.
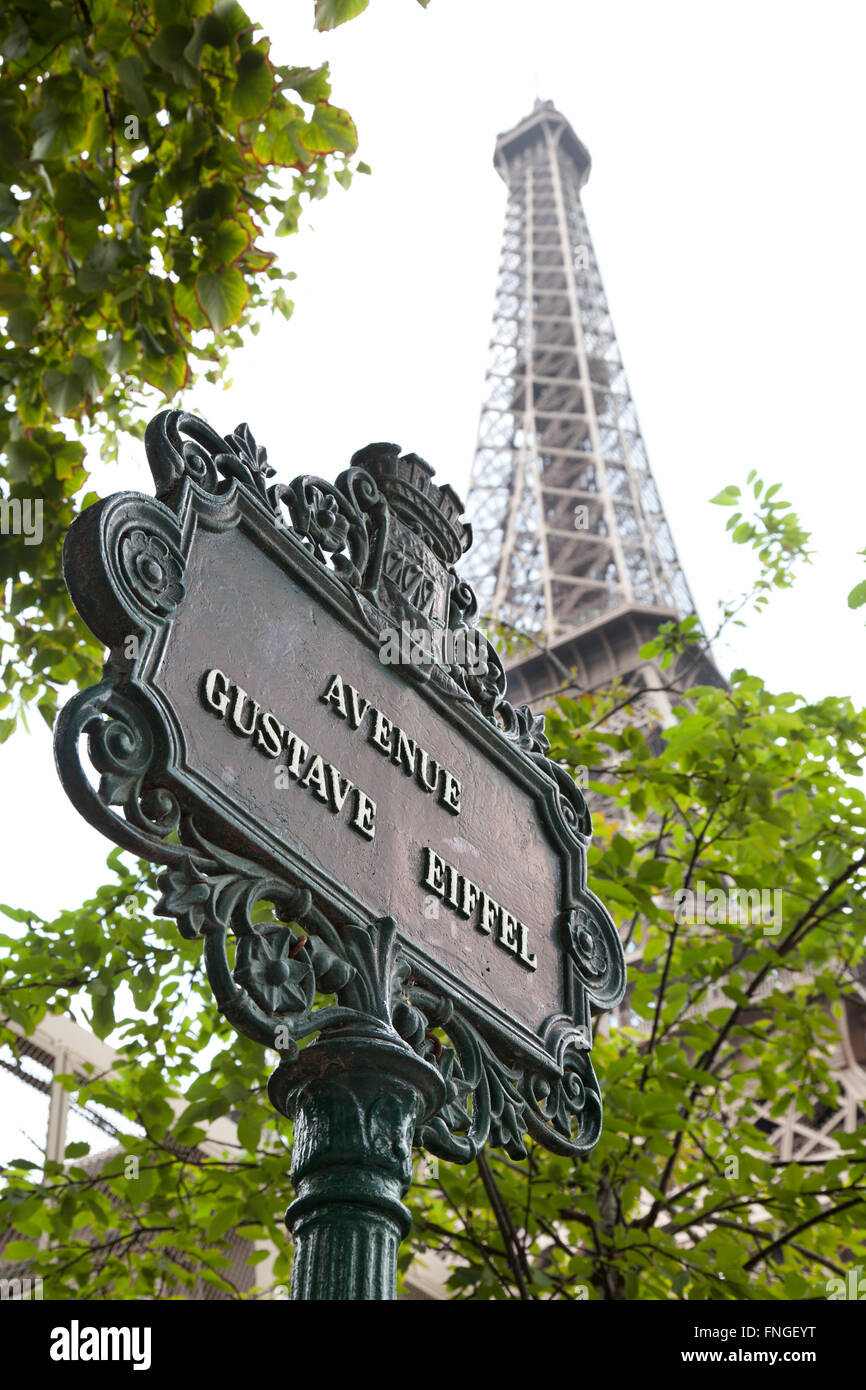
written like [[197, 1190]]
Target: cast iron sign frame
[[374, 549]]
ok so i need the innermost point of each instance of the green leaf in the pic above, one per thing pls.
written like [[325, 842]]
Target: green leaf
[[188, 306], [249, 1132], [229, 241], [254, 85], [222, 296], [133, 84], [167, 50], [727, 497], [195, 137], [64, 391], [22, 326], [221, 1223], [76, 199], [26, 458], [311, 84], [330, 129], [330, 13], [210, 29], [119, 353], [656, 944], [857, 596], [20, 1250], [622, 849], [217, 32], [103, 1014]]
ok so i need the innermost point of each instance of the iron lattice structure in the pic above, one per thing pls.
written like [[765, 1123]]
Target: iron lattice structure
[[572, 545]]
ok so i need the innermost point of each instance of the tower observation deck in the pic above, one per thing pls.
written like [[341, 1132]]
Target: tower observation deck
[[571, 541]]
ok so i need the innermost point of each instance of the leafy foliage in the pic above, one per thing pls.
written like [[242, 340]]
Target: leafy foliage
[[145, 147], [773, 531], [124, 1226], [729, 1027]]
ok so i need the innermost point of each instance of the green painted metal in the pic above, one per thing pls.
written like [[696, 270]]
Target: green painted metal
[[357, 1102], [410, 1048]]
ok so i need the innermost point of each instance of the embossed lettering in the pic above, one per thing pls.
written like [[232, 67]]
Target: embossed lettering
[[405, 751], [297, 753], [357, 708], [314, 778], [464, 896], [270, 734], [217, 699], [523, 949], [423, 760], [449, 794], [310, 769], [468, 897], [364, 819], [452, 879], [380, 733], [335, 695], [338, 786], [507, 936], [235, 720], [487, 916], [434, 873]]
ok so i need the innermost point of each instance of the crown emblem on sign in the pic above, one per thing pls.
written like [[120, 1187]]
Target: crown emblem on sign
[[407, 484]]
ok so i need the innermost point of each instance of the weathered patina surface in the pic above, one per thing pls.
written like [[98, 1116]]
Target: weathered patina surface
[[425, 860]]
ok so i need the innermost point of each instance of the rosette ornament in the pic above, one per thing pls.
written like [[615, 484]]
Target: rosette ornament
[[593, 945], [275, 970], [152, 571]]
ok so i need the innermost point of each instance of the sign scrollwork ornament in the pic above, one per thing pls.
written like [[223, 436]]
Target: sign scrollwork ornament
[[373, 552]]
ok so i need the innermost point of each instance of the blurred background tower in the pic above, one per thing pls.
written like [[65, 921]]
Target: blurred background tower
[[571, 541]]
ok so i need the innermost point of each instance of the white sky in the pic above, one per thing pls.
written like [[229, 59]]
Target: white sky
[[727, 210]]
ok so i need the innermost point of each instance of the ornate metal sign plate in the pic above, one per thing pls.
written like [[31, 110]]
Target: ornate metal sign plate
[[296, 708]]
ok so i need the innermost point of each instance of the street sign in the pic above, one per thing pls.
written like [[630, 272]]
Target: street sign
[[298, 709]]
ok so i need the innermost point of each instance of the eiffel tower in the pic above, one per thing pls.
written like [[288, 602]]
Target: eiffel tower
[[571, 543]]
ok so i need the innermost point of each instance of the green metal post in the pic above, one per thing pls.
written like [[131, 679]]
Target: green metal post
[[355, 1102]]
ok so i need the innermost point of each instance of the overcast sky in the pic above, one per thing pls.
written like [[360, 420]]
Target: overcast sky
[[726, 207]]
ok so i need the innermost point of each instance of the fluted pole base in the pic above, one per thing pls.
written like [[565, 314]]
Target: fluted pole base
[[355, 1102]]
